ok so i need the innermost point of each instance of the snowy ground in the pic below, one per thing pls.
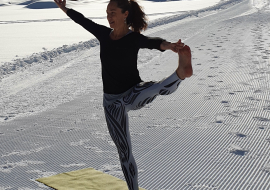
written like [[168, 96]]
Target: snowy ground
[[34, 26], [215, 133]]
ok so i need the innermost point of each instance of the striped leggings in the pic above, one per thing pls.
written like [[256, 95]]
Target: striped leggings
[[116, 115]]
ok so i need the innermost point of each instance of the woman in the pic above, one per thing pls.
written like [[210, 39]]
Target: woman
[[123, 88]]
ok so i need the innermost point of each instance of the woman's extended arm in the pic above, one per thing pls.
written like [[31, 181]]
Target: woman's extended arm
[[61, 4], [175, 47], [159, 44]]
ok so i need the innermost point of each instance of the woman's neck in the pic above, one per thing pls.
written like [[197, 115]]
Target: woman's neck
[[119, 33]]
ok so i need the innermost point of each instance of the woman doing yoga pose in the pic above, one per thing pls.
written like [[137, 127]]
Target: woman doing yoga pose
[[123, 88]]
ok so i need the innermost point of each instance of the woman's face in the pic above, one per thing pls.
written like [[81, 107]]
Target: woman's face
[[115, 16]]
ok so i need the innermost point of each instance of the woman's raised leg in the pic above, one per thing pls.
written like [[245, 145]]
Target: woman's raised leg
[[145, 92]]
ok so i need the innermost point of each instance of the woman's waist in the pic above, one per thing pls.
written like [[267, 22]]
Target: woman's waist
[[110, 98]]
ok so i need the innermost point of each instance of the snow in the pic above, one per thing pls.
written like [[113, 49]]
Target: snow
[[39, 23], [212, 133]]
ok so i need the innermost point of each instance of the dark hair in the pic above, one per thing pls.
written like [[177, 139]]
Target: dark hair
[[136, 18]]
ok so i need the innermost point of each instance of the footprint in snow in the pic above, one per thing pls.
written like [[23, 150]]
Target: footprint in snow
[[262, 127], [66, 130], [235, 149], [237, 134], [258, 91], [21, 129], [266, 168], [253, 99], [262, 119], [137, 116], [225, 103], [93, 148], [6, 168], [267, 52], [220, 119]]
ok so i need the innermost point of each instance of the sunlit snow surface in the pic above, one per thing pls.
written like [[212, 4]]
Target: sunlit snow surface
[[30, 26], [212, 133]]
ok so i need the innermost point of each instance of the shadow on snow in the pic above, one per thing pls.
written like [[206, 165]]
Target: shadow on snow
[[41, 5]]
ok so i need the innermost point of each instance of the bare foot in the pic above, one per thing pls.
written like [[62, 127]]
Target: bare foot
[[184, 69]]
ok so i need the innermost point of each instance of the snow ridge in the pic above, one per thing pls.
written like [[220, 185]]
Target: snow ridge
[[19, 64]]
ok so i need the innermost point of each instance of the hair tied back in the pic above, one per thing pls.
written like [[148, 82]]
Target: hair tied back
[[136, 18]]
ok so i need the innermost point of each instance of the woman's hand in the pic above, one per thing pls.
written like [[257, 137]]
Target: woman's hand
[[61, 4], [175, 47]]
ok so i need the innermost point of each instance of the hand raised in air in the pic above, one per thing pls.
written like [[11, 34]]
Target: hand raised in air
[[60, 3]]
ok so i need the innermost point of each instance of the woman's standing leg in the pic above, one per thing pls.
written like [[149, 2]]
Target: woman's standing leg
[[118, 125]]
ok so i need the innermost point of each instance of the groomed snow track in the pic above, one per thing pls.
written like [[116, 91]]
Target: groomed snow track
[[212, 133]]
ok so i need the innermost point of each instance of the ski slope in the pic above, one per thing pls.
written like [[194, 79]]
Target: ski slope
[[212, 133]]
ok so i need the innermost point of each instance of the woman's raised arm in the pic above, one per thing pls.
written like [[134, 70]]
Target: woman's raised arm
[[99, 31], [61, 4]]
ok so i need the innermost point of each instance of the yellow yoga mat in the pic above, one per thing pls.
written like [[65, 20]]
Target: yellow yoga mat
[[84, 179]]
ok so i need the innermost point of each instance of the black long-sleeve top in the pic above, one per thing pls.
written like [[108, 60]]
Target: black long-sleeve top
[[118, 57]]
